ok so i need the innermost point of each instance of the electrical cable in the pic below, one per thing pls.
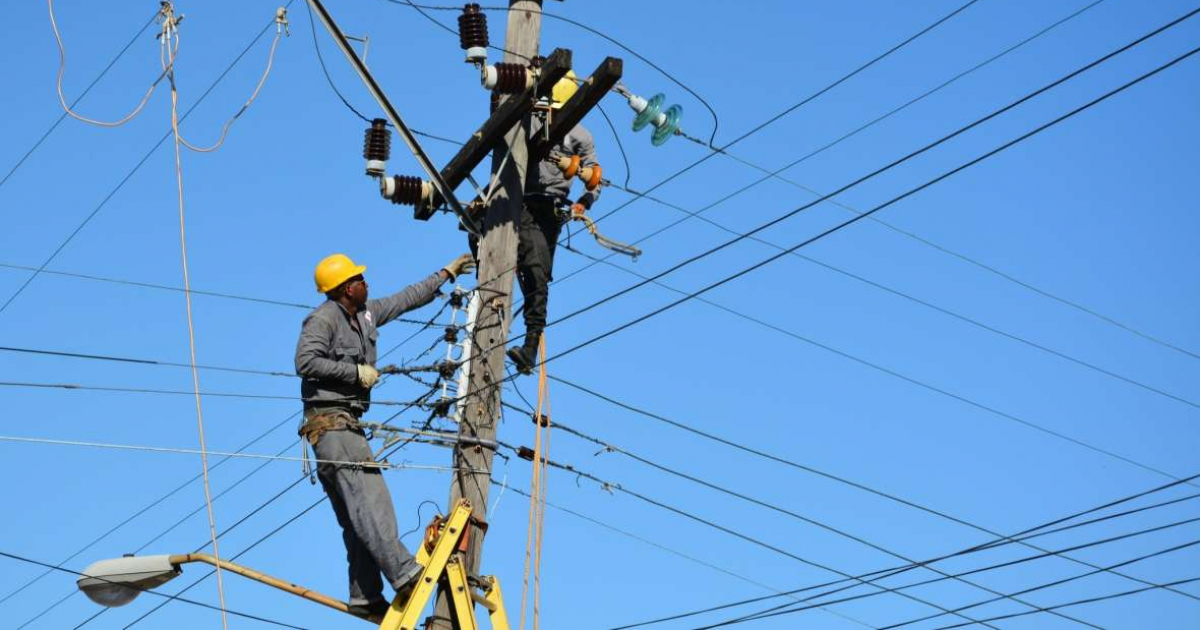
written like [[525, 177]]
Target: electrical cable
[[675, 552], [1078, 602], [876, 209], [63, 116], [78, 228], [1060, 582], [62, 68], [609, 447], [100, 357], [51, 567], [175, 392], [610, 486], [915, 153], [1018, 537], [162, 287], [191, 451], [894, 200], [781, 611], [1001, 540]]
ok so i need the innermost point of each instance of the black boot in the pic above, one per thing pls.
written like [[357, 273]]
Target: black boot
[[523, 358]]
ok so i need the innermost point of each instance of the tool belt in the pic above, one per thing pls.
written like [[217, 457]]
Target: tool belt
[[320, 421]]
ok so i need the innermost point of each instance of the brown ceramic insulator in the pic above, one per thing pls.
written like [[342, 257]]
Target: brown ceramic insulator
[[408, 190], [472, 27], [377, 143], [511, 78]]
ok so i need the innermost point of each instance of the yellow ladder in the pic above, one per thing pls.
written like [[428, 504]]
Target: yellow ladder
[[440, 556]]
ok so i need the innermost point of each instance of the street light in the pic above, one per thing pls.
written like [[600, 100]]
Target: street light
[[118, 581]]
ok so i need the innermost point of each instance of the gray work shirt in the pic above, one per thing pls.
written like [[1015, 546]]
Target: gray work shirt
[[549, 179], [330, 348]]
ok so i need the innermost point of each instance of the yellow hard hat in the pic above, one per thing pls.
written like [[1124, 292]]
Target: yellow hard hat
[[334, 270], [564, 89]]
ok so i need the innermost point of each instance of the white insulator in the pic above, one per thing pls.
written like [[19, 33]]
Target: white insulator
[[659, 120], [489, 77], [477, 55], [637, 103], [376, 168], [387, 187]]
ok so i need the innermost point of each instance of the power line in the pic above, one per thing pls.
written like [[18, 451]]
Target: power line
[[779, 611], [788, 609], [1079, 602], [79, 98], [162, 287], [791, 108], [876, 209], [775, 508], [101, 357], [62, 245], [608, 485], [193, 602], [176, 392], [905, 158], [675, 552]]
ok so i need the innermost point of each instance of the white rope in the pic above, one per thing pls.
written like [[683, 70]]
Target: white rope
[[192, 451]]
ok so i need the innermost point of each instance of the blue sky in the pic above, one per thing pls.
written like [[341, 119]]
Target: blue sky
[[865, 384]]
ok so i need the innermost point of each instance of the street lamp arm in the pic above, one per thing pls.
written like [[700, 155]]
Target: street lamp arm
[[257, 576]]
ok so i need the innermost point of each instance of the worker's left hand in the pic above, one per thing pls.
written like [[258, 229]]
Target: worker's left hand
[[459, 266], [577, 210]]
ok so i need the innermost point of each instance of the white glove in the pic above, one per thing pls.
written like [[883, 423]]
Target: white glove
[[459, 266], [367, 375]]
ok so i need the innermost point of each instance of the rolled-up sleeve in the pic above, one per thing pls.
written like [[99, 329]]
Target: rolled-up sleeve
[[386, 309], [313, 351]]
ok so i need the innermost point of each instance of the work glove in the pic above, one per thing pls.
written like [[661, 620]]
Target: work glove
[[367, 375], [577, 210], [459, 266]]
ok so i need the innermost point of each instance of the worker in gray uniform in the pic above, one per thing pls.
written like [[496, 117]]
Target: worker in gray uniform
[[335, 359], [545, 210]]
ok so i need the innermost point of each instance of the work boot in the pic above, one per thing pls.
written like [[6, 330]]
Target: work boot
[[522, 358], [373, 611]]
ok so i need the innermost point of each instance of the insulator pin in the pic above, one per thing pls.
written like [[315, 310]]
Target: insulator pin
[[377, 147], [473, 34]]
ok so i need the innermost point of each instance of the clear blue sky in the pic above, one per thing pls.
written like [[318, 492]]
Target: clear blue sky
[[1099, 211]]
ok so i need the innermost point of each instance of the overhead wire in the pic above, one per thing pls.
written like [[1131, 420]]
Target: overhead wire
[[892, 201], [616, 487], [62, 68], [781, 610], [174, 392], [877, 208], [1002, 539], [1040, 530], [662, 547], [609, 447], [162, 287], [74, 103], [87, 219]]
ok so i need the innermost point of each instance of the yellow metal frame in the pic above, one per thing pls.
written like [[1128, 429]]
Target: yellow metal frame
[[445, 562]]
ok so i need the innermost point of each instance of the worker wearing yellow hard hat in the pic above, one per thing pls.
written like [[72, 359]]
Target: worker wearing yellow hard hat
[[547, 207], [335, 358]]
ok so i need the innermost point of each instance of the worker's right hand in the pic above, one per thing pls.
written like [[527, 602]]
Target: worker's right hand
[[459, 266], [367, 375]]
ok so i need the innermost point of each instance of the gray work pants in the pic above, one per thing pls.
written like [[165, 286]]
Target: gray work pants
[[364, 509]]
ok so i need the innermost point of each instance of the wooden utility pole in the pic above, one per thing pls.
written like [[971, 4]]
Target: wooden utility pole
[[497, 267]]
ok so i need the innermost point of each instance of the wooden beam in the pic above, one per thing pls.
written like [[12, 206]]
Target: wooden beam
[[491, 133], [572, 112]]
